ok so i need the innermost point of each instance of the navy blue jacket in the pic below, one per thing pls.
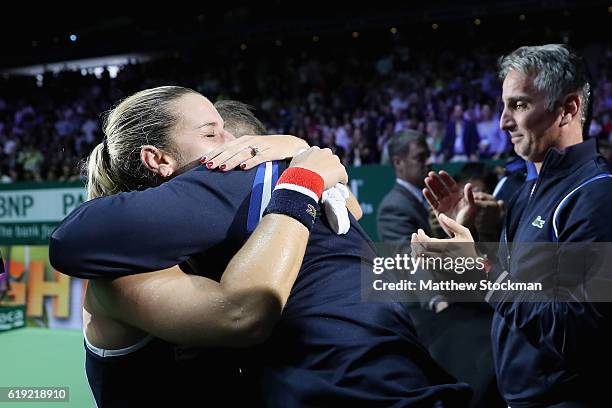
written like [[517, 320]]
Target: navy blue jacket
[[551, 346], [330, 348]]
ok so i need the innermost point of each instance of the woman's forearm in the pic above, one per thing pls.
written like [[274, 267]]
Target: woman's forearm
[[259, 278], [271, 257]]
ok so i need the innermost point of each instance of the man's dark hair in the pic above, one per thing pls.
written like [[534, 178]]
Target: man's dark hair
[[399, 145], [239, 118]]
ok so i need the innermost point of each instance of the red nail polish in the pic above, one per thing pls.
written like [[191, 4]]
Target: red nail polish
[[243, 166], [203, 159], [209, 165], [222, 167]]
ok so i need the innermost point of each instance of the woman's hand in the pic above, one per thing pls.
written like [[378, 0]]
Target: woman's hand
[[249, 151]]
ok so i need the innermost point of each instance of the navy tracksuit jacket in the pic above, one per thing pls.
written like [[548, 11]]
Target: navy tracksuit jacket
[[555, 346]]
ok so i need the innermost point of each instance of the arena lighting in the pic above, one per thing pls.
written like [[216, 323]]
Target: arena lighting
[[86, 63], [243, 46], [315, 38], [113, 70], [434, 26], [477, 21], [355, 34], [393, 30], [522, 17], [278, 43], [73, 37]]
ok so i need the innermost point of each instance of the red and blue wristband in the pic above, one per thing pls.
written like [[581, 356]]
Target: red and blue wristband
[[297, 195]]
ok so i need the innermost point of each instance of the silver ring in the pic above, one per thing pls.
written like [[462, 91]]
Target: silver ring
[[254, 151]]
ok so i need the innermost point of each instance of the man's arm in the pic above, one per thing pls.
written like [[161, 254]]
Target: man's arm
[[566, 323]]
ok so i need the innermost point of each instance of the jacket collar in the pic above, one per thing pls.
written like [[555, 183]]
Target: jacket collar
[[558, 161], [412, 189]]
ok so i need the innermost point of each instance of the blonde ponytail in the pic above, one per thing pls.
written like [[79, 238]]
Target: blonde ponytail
[[99, 180]]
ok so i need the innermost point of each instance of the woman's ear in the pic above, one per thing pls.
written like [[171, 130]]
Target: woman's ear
[[157, 161]]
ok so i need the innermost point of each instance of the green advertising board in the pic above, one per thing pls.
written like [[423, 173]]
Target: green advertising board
[[12, 317], [369, 184], [30, 211]]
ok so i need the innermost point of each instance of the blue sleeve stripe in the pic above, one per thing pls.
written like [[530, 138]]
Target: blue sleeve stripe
[[256, 195], [566, 199], [267, 189], [265, 180]]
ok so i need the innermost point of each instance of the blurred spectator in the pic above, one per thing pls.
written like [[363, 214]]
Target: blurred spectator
[[461, 139], [493, 140], [435, 136]]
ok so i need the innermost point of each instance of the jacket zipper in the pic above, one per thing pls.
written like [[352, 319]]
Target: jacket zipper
[[535, 184]]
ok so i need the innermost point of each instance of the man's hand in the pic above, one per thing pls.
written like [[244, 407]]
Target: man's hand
[[489, 216], [460, 245], [445, 196]]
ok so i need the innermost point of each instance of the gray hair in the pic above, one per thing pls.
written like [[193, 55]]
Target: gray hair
[[556, 69], [239, 118]]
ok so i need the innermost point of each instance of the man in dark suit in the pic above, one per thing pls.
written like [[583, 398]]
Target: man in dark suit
[[461, 139], [404, 209]]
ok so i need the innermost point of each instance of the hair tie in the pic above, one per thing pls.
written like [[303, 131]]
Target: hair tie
[[105, 152]]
